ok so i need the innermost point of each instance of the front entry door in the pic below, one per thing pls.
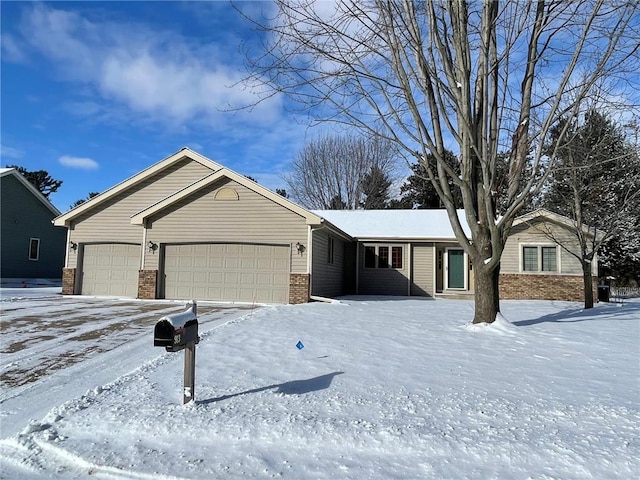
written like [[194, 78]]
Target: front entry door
[[455, 269]]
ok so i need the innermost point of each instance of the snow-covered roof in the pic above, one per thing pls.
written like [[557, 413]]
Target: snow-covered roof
[[391, 224]]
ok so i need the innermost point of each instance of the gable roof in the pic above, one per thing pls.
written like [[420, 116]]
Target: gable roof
[[395, 224], [141, 216], [184, 152], [33, 190], [528, 219]]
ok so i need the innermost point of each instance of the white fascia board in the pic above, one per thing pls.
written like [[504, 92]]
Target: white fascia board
[[65, 219], [27, 184], [408, 239], [140, 217]]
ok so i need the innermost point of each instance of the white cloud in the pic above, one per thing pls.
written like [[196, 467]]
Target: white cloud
[[10, 152], [152, 73], [11, 49], [78, 162]]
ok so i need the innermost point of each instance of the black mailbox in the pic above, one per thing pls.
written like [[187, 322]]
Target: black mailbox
[[175, 332]]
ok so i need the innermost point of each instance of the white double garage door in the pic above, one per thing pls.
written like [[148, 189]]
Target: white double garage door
[[211, 271]]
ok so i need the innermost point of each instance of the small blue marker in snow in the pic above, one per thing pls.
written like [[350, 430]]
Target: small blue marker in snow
[[300, 345]]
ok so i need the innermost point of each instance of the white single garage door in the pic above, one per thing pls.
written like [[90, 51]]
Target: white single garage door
[[111, 269], [227, 272]]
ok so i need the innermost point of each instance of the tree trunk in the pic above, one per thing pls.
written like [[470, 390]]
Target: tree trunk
[[496, 287], [588, 285], [487, 299]]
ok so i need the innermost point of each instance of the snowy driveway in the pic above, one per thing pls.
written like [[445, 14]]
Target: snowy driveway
[[70, 343]]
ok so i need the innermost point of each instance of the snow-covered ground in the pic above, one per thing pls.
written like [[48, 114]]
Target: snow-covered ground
[[383, 388], [22, 288]]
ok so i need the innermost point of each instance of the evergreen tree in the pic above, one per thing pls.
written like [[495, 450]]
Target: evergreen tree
[[418, 191], [82, 200], [40, 179], [619, 258], [375, 189]]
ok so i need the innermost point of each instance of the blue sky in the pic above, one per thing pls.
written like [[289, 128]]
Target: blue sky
[[94, 92]]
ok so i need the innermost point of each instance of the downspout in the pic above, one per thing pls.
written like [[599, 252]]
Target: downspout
[[144, 243], [357, 267], [67, 249], [310, 257], [322, 299], [434, 277], [410, 273]]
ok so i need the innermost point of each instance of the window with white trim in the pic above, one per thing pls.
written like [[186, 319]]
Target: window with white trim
[[539, 258], [383, 256], [34, 248]]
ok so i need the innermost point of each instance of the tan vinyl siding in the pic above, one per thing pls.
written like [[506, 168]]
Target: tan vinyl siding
[[422, 269], [111, 220], [327, 278], [384, 281], [535, 235], [250, 219], [72, 256]]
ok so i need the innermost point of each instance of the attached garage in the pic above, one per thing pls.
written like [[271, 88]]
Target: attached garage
[[110, 269], [227, 272], [187, 228]]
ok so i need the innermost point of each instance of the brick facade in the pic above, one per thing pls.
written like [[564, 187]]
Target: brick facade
[[544, 287], [68, 281], [147, 281], [298, 288]]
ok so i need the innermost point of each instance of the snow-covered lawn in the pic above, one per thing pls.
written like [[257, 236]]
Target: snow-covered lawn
[[383, 388]]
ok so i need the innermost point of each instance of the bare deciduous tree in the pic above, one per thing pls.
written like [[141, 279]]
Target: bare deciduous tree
[[474, 77], [327, 173]]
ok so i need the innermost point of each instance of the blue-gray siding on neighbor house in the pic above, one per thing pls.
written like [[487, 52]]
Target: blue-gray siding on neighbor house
[[25, 217]]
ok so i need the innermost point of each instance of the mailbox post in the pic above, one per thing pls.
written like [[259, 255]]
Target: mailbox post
[[189, 382], [180, 332]]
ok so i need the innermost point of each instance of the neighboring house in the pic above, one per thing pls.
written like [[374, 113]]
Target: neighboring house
[[187, 227], [30, 246]]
